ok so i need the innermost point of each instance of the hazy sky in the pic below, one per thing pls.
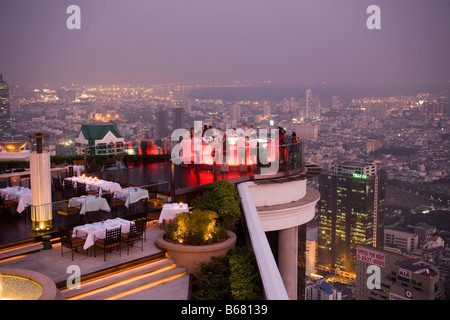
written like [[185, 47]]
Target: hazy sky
[[284, 41]]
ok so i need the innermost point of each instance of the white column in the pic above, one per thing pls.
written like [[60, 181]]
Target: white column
[[41, 191], [287, 259]]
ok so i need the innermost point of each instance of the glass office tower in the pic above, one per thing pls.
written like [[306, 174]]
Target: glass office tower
[[350, 212], [5, 118]]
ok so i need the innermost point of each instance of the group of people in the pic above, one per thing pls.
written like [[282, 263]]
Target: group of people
[[242, 139]]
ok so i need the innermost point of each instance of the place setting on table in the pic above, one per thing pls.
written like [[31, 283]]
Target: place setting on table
[[20, 194]]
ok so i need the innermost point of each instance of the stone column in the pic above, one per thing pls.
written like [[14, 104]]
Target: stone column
[[287, 259]]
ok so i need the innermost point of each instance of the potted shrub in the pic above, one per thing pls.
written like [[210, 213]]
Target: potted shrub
[[221, 197], [195, 237], [195, 228]]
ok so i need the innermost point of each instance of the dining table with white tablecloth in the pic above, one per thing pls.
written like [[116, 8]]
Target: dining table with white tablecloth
[[97, 230], [20, 194], [89, 203], [171, 210], [95, 184], [131, 195]]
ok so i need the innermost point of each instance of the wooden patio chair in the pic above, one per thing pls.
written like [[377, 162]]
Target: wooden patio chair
[[112, 240]]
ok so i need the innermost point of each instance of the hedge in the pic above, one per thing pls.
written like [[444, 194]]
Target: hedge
[[233, 277]]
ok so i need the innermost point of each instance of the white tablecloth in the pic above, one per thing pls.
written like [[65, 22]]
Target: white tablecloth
[[96, 184], [98, 230], [20, 194], [89, 203], [132, 195], [170, 210]]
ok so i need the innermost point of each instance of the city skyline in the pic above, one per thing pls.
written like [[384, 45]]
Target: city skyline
[[196, 41], [315, 133]]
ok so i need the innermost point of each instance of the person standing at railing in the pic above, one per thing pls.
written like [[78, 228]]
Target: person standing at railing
[[253, 146], [224, 153], [282, 145], [241, 152], [293, 151]]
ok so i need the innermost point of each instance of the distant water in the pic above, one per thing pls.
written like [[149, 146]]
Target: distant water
[[272, 92]]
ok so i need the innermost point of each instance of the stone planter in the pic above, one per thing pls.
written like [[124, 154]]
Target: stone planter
[[190, 257]]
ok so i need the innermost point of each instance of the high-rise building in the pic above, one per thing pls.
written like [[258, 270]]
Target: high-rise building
[[5, 118], [308, 101], [308, 131], [373, 144], [162, 122], [399, 278], [236, 114], [350, 212], [311, 250], [178, 117], [335, 102], [399, 239], [267, 110]]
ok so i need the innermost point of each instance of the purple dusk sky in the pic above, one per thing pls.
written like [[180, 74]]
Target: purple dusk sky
[[145, 41]]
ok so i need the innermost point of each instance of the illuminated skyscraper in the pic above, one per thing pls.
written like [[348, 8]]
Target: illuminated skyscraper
[[351, 212], [162, 130], [308, 101], [178, 117], [5, 119]]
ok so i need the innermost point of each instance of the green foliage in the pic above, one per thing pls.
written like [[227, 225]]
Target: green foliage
[[7, 165], [221, 197], [245, 281], [195, 228], [233, 277], [213, 283], [439, 218]]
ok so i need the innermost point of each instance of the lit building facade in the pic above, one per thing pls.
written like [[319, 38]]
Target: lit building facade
[[322, 290], [308, 131], [5, 119], [350, 212], [162, 122], [400, 277], [99, 139], [178, 118]]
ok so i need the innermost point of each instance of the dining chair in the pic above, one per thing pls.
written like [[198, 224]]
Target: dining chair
[[110, 176], [153, 196], [93, 216], [135, 234], [69, 215], [7, 205], [82, 190], [111, 240], [123, 181], [25, 182], [68, 190], [65, 210], [71, 241], [3, 183], [113, 202]]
